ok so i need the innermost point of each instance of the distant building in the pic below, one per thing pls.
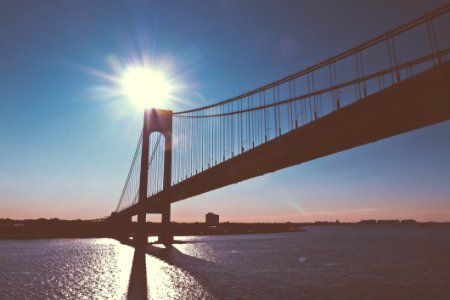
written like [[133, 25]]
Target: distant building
[[212, 219]]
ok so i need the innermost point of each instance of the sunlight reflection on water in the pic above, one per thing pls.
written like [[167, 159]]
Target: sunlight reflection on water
[[92, 269], [55, 269]]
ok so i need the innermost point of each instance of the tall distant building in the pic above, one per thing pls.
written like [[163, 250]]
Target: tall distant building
[[212, 219]]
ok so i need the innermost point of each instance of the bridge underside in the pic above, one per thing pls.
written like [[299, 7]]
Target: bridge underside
[[420, 101]]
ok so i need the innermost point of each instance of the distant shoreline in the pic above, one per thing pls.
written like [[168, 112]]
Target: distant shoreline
[[60, 229], [175, 235], [48, 229]]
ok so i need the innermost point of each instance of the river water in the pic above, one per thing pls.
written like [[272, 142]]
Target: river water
[[327, 262]]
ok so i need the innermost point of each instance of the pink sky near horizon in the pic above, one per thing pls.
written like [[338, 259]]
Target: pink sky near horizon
[[349, 215]]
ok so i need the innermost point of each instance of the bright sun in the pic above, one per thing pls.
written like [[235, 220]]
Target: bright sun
[[146, 88]]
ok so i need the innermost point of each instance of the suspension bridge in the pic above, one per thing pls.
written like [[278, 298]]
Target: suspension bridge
[[394, 83]]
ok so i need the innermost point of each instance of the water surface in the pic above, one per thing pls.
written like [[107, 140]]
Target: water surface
[[335, 262]]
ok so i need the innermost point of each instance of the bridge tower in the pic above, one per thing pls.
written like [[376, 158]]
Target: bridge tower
[[155, 120]]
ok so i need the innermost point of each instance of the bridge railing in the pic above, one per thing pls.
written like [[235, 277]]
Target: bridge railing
[[207, 136]]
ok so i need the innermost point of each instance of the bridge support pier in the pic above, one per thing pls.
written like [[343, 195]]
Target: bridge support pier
[[141, 236], [165, 236], [119, 227]]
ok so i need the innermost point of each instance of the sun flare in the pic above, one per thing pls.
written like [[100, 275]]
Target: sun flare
[[145, 87]]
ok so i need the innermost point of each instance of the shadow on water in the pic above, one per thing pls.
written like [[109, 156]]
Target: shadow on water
[[176, 258], [137, 287]]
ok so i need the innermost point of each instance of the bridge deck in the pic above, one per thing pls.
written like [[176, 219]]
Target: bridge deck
[[417, 102]]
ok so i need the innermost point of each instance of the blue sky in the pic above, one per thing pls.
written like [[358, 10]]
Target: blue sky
[[65, 147]]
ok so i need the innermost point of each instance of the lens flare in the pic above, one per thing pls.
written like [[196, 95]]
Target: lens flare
[[145, 88], [136, 82]]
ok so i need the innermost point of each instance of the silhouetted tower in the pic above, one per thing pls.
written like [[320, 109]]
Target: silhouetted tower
[[156, 120]]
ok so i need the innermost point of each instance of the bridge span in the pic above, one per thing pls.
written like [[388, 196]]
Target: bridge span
[[358, 97]]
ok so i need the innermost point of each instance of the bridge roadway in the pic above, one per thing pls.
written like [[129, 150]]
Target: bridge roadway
[[414, 103]]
